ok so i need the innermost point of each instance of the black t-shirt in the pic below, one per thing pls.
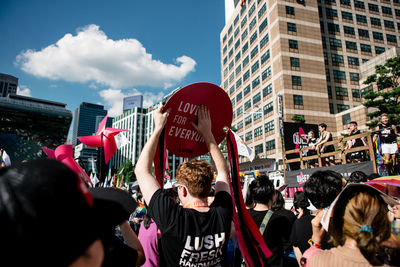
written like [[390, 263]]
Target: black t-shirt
[[189, 237], [291, 218], [387, 134], [302, 232], [276, 231]]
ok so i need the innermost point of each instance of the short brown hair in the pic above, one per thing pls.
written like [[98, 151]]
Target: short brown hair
[[197, 176], [384, 115]]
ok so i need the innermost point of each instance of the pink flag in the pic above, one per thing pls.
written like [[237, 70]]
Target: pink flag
[[63, 153]]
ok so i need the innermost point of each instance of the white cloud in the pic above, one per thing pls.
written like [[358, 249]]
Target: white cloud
[[113, 99], [90, 56], [23, 90]]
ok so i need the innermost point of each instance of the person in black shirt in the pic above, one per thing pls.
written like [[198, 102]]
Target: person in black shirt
[[322, 147], [273, 227], [193, 233], [357, 156], [388, 133], [321, 189]]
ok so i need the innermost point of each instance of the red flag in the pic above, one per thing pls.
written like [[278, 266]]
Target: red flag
[[242, 2]]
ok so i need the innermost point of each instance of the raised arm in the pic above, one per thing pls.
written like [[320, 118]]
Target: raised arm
[[204, 128], [147, 182]]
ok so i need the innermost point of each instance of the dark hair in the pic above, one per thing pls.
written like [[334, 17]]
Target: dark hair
[[322, 188], [249, 199], [357, 177], [261, 190], [353, 122], [300, 200], [323, 125], [279, 201]]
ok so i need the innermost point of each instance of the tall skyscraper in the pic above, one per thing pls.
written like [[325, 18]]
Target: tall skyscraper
[[8, 85], [286, 58], [85, 120]]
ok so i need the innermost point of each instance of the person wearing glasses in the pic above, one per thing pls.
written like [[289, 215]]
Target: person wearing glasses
[[192, 232]]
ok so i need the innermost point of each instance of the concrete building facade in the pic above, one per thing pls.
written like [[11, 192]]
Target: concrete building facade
[[8, 85]]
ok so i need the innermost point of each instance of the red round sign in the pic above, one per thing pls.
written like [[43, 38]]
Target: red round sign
[[181, 138]]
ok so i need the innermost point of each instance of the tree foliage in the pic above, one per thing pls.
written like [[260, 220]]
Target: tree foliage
[[386, 76], [128, 171], [298, 118]]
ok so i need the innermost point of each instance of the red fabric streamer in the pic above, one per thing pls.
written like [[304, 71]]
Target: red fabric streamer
[[251, 242]]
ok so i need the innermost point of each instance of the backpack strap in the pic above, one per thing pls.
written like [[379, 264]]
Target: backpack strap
[[265, 221]]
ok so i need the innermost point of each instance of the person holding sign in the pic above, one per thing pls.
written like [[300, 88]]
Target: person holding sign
[[192, 233]]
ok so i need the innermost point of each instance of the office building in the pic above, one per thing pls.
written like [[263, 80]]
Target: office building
[[299, 57], [27, 124], [85, 120], [8, 85]]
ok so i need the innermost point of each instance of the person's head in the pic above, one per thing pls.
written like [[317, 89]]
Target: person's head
[[357, 177], [384, 118], [353, 126], [322, 188], [300, 200], [196, 176], [322, 127], [311, 134], [278, 202], [262, 190], [361, 214], [48, 214]]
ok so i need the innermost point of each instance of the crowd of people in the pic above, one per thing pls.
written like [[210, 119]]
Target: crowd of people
[[49, 217], [386, 141]]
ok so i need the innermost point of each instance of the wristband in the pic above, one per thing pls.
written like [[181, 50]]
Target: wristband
[[313, 244]]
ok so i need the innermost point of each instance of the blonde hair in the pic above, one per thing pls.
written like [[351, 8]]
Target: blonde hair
[[361, 209], [197, 176]]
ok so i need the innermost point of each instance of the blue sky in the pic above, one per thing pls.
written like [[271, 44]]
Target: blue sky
[[99, 51]]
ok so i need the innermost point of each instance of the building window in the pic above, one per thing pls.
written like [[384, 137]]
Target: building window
[[244, 34], [252, 23], [237, 43], [333, 27], [353, 61], [359, 4], [262, 10], [225, 60], [239, 82], [355, 77], [361, 18], [247, 105], [349, 30], [266, 73], [295, 62], [379, 50], [246, 75], [342, 107], [231, 90], [345, 2], [298, 100], [233, 101], [236, 20], [290, 10], [337, 59], [296, 80], [224, 39], [335, 42], [251, 10], [330, 13], [351, 45], [388, 24], [255, 67], [245, 61], [236, 33], [245, 47], [291, 27], [331, 108], [230, 41], [265, 57], [239, 97], [341, 91], [244, 20], [329, 91], [264, 41], [363, 33], [231, 77], [375, 21], [347, 15], [391, 38], [293, 44], [373, 7], [365, 48], [239, 111], [339, 75], [263, 25], [237, 57], [258, 149], [327, 74], [355, 93], [269, 126], [256, 98], [254, 52], [346, 119], [377, 36], [239, 125], [270, 145], [268, 108], [231, 64], [246, 90], [238, 69], [253, 38], [255, 82], [248, 135], [258, 132], [267, 90], [386, 10], [247, 120], [230, 53]]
